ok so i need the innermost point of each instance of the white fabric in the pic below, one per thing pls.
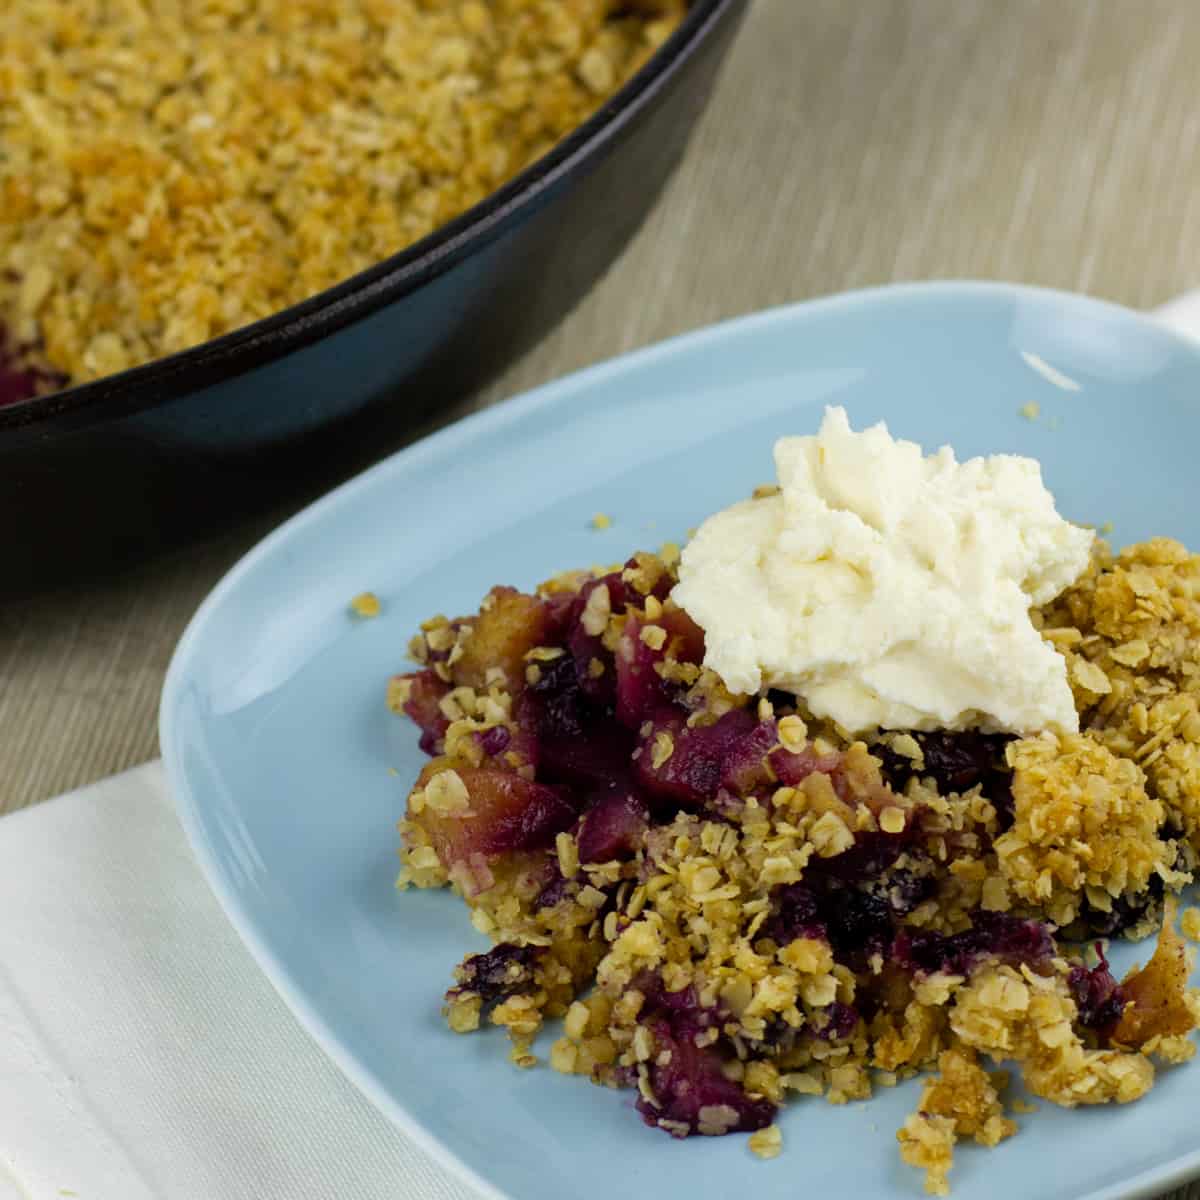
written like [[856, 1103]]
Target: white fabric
[[143, 1055]]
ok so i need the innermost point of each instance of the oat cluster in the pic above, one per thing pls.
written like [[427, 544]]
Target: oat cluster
[[729, 903], [1071, 791], [172, 171], [1130, 630]]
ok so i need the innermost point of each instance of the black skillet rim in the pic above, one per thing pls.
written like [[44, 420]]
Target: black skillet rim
[[263, 341]]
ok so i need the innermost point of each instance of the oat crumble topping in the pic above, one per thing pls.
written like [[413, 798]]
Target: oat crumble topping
[[174, 171]]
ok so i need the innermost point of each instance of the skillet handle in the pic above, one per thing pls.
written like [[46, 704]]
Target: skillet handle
[[1181, 314]]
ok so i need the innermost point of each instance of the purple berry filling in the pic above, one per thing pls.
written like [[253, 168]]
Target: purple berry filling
[[495, 740], [906, 890], [585, 648], [423, 706], [576, 740], [685, 1078], [744, 762], [1098, 996], [851, 901], [613, 828], [957, 762], [505, 970], [857, 922], [640, 688], [19, 382], [992, 935], [870, 857], [842, 1020], [797, 914], [554, 891], [694, 772]]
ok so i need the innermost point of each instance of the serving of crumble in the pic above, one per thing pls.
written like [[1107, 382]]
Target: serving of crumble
[[730, 900]]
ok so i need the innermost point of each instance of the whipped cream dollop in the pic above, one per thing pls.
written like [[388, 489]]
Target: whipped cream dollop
[[889, 589]]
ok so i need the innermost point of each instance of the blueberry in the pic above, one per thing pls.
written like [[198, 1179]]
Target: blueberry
[[1098, 996], [505, 970]]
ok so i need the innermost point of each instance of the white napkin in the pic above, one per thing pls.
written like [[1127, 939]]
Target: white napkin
[[143, 1055]]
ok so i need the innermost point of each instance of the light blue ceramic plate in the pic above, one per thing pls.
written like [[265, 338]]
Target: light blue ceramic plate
[[284, 760]]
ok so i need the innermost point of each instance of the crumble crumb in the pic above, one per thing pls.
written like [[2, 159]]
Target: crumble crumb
[[927, 1142], [601, 521], [1031, 411], [767, 1143], [366, 605], [962, 1100], [1190, 924]]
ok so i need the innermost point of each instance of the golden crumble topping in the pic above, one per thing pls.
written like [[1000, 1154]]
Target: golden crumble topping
[[1068, 792], [927, 1143], [1190, 924], [961, 1100], [174, 171], [1130, 630], [1020, 1016]]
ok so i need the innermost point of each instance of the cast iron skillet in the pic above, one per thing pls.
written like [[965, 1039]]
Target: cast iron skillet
[[99, 474]]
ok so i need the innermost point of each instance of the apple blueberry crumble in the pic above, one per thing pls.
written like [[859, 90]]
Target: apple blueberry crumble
[[741, 861]]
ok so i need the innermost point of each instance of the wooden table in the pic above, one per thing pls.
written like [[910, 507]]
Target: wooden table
[[1054, 142]]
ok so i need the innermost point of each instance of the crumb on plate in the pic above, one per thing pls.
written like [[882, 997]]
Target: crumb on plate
[[365, 605]]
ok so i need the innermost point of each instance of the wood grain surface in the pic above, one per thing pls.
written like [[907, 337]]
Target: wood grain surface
[[1048, 141]]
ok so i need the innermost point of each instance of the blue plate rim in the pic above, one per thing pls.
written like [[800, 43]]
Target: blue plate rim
[[452, 439]]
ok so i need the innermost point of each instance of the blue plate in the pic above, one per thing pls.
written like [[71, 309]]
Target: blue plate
[[290, 773]]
